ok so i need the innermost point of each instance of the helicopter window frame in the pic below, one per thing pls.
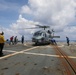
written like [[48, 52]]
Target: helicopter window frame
[[44, 34]]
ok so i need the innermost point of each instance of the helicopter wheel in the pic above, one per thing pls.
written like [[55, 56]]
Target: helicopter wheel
[[36, 43]]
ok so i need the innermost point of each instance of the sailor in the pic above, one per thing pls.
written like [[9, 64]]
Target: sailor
[[22, 39], [53, 41], [1, 43], [11, 40], [67, 41]]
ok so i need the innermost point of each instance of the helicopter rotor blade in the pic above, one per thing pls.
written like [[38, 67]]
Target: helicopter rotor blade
[[27, 28], [40, 26], [37, 27]]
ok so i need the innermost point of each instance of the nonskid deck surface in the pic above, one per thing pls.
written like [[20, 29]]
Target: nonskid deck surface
[[32, 60]]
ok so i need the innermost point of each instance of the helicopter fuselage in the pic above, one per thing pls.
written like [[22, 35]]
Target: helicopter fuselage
[[41, 37]]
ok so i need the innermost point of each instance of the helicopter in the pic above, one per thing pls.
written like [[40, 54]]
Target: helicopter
[[43, 36]]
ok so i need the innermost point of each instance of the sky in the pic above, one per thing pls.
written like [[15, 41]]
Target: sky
[[16, 15]]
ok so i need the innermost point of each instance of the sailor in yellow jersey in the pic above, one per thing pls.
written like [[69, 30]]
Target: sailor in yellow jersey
[[2, 41]]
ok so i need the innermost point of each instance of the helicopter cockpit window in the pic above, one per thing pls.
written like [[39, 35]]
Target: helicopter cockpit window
[[37, 34]]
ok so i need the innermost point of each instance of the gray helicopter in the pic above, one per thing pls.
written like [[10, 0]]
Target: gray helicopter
[[44, 36]]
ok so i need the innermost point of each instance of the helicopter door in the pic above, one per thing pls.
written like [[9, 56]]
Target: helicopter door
[[45, 36]]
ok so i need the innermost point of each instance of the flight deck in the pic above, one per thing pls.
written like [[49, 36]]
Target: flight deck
[[38, 60]]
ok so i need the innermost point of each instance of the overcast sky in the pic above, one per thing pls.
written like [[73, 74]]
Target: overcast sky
[[58, 14]]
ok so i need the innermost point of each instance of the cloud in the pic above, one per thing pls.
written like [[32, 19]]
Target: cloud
[[54, 12], [25, 9], [59, 14], [23, 23], [20, 28]]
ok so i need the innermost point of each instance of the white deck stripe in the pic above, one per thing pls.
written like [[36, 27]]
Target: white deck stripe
[[72, 57], [24, 51], [61, 46], [17, 52], [41, 54], [9, 51], [46, 54]]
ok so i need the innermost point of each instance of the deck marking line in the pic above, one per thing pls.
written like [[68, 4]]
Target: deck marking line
[[61, 46], [71, 57], [40, 54], [46, 54], [17, 53], [9, 51]]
